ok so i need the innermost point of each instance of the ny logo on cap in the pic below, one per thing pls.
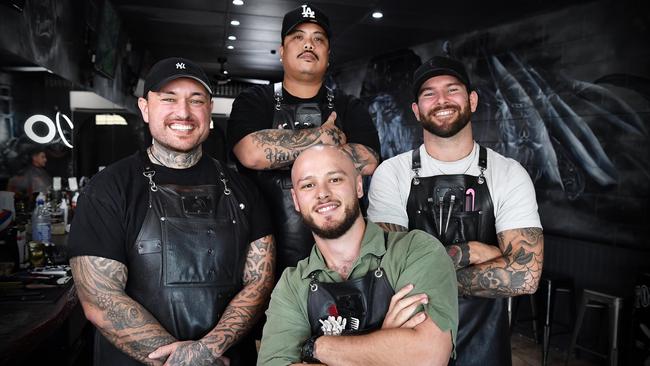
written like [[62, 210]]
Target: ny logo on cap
[[307, 12], [180, 66]]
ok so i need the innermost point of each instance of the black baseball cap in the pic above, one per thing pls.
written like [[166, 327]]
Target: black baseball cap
[[173, 68], [436, 66], [303, 14]]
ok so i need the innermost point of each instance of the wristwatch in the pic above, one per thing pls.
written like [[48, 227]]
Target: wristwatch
[[307, 350]]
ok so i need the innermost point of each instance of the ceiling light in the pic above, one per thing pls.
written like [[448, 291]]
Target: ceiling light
[[238, 2], [234, 22], [232, 38], [377, 15], [230, 47], [225, 72]]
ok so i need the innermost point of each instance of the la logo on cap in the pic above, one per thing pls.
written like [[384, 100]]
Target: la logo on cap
[[180, 66], [307, 12]]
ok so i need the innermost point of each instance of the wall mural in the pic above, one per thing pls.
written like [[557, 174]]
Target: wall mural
[[579, 127]]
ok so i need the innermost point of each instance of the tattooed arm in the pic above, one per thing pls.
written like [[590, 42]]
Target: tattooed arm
[[517, 272], [462, 254], [277, 148], [240, 315], [365, 159], [100, 284]]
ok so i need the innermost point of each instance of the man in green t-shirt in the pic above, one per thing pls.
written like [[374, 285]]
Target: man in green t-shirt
[[338, 306]]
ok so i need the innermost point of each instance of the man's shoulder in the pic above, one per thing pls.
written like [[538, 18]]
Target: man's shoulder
[[500, 160], [256, 92], [398, 162], [292, 280], [118, 172]]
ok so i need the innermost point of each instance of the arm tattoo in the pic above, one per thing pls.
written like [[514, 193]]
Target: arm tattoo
[[244, 309], [362, 156], [459, 254], [516, 273], [391, 227], [193, 353], [100, 283], [282, 147]]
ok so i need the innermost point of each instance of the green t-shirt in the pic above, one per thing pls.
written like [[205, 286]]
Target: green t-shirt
[[414, 257]]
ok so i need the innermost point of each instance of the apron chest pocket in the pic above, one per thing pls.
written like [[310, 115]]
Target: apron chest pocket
[[199, 251]]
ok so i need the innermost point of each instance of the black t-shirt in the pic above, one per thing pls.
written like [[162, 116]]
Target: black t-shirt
[[112, 207], [254, 107]]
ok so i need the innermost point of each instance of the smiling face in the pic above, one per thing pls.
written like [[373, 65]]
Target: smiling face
[[444, 107], [326, 190], [178, 114], [305, 51]]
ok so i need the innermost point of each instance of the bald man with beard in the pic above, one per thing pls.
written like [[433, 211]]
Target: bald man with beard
[[338, 306]]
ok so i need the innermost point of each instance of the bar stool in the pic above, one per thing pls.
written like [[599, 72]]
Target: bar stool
[[597, 300], [551, 286]]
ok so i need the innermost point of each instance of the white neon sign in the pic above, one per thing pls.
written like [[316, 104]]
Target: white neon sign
[[51, 128]]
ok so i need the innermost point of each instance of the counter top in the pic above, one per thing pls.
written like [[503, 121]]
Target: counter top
[[28, 317]]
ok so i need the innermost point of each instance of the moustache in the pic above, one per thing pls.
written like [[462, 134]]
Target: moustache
[[179, 118], [313, 54]]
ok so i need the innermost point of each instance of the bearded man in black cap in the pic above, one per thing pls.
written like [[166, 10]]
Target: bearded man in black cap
[[270, 125], [171, 252], [480, 204]]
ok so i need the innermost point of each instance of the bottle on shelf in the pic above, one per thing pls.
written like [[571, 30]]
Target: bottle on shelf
[[41, 223]]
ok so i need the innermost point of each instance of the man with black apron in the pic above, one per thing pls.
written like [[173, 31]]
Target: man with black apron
[[271, 124], [172, 252], [481, 205], [338, 305]]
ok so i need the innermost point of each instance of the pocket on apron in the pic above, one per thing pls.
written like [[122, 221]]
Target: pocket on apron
[[199, 251]]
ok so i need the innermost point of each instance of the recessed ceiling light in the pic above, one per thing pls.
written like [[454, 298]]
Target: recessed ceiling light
[[238, 2], [377, 15], [225, 72], [231, 47], [232, 38], [234, 22]]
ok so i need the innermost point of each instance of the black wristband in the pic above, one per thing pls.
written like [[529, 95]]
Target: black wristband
[[307, 350]]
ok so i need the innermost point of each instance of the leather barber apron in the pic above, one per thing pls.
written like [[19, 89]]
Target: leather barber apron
[[362, 302], [187, 261], [456, 209], [294, 239]]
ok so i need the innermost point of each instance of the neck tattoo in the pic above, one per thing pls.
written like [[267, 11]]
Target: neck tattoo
[[172, 159]]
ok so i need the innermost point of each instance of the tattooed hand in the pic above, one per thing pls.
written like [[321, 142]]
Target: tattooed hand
[[188, 353], [330, 134]]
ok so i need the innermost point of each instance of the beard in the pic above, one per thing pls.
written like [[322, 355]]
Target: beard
[[449, 129], [350, 216]]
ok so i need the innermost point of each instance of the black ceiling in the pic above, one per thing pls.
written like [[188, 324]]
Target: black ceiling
[[198, 29]]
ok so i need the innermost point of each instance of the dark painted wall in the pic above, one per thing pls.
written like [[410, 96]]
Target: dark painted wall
[[567, 94]]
